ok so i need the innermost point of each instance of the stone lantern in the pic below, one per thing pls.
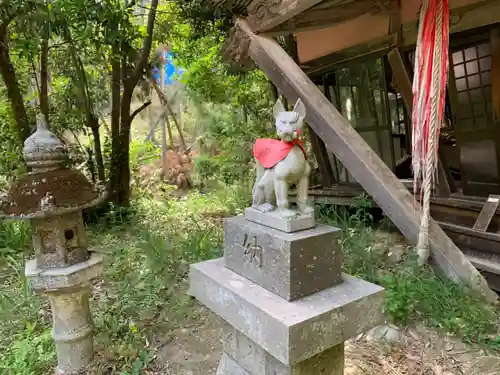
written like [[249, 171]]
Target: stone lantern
[[52, 197]]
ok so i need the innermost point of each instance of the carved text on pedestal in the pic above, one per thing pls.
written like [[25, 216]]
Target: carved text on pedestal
[[253, 251]]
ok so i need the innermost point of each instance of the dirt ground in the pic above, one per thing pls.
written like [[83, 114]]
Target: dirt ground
[[196, 348]]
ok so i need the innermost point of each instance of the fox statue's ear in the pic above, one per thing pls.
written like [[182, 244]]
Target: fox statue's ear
[[278, 108], [300, 108]]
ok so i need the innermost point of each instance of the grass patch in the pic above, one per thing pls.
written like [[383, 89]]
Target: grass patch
[[414, 293], [141, 297]]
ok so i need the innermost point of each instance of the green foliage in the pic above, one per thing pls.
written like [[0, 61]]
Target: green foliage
[[31, 354], [232, 109], [10, 163], [204, 18], [233, 134], [14, 236], [147, 262], [414, 293], [143, 299]]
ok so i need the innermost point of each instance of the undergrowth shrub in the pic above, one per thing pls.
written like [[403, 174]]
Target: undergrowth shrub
[[226, 145], [15, 236]]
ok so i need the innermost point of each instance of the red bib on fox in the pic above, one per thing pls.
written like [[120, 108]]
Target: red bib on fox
[[270, 152]]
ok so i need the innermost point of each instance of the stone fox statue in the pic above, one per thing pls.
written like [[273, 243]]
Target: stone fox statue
[[281, 163]]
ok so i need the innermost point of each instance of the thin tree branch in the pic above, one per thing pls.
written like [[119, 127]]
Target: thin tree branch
[[35, 75], [139, 110], [146, 48], [164, 101]]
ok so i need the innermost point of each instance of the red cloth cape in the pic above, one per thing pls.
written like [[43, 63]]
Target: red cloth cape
[[270, 152]]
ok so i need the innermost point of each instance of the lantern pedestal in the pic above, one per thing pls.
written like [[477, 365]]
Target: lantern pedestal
[[69, 290]]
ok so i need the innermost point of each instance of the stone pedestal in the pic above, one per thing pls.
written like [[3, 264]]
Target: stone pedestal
[[291, 265], [69, 290], [274, 220], [286, 307]]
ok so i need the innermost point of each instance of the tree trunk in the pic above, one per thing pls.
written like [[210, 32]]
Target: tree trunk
[[114, 169], [94, 125], [121, 118], [13, 90], [44, 79], [123, 188]]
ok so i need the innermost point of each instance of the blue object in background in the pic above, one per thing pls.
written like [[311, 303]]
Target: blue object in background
[[170, 70]]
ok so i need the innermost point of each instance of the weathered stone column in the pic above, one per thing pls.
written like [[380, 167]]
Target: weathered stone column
[[69, 290], [286, 306], [72, 330], [52, 198]]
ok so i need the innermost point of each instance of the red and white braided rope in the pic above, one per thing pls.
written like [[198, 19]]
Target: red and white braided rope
[[429, 93]]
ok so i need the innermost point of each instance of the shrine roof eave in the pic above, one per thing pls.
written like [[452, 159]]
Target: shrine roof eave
[[305, 15]]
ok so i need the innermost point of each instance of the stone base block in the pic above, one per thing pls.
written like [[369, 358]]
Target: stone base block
[[291, 265], [274, 220], [291, 332], [228, 366], [246, 357], [52, 279]]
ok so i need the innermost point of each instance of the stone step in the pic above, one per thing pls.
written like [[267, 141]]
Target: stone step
[[291, 332]]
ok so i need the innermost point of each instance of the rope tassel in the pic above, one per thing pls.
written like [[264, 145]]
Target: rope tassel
[[429, 93]]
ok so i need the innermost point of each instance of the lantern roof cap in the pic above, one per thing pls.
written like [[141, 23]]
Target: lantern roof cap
[[43, 150], [50, 188]]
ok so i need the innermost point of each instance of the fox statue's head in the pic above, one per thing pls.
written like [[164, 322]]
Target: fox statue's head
[[289, 124]]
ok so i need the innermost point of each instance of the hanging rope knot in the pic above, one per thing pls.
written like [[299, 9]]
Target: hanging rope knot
[[429, 93]]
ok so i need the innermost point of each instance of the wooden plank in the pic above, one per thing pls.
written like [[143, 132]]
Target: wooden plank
[[443, 186], [321, 154], [320, 16], [363, 163], [402, 78], [486, 243], [485, 264], [348, 56], [264, 15], [449, 182], [327, 14], [484, 219]]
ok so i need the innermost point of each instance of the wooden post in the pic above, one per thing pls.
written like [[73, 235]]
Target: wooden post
[[362, 162], [164, 147], [495, 71], [403, 82]]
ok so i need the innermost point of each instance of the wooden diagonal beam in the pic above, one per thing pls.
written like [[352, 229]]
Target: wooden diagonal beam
[[264, 15], [486, 215], [362, 162]]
